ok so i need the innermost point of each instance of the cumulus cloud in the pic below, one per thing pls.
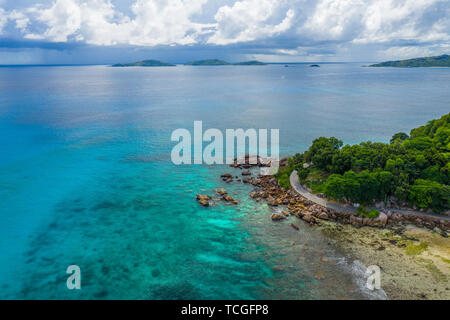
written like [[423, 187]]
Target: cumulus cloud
[[157, 22], [249, 20], [411, 20], [165, 22], [63, 19], [334, 20], [21, 20], [378, 21]]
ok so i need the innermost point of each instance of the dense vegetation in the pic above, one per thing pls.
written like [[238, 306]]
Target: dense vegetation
[[145, 63], [438, 61], [412, 169], [364, 213]]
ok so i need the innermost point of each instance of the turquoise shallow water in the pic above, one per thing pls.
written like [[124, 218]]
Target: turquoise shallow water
[[86, 177]]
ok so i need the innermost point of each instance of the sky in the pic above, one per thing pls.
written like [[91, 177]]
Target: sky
[[177, 31]]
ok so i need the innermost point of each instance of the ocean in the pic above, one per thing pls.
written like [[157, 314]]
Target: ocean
[[86, 177]]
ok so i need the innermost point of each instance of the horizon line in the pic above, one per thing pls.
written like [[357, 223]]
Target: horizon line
[[175, 63]]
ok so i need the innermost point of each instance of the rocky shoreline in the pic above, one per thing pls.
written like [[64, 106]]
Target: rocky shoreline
[[413, 252], [267, 188]]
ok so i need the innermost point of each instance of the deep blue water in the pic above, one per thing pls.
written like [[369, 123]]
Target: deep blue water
[[86, 176]]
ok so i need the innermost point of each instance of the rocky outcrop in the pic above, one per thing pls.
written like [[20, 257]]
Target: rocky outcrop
[[252, 181], [229, 199], [227, 177], [382, 219], [277, 217], [221, 191], [323, 216], [203, 199], [268, 188], [250, 161], [271, 201]]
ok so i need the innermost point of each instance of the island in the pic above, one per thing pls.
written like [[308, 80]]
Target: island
[[314, 66], [436, 61], [144, 63], [250, 63], [217, 62], [208, 62]]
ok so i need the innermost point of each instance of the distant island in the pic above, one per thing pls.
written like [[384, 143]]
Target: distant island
[[437, 61], [145, 63], [208, 62], [216, 62], [250, 63], [314, 66]]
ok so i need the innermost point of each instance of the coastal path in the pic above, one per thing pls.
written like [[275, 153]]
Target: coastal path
[[295, 183]]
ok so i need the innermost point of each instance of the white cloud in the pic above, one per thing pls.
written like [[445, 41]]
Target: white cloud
[[288, 52], [21, 20], [166, 22], [157, 22], [63, 19], [248, 20], [3, 20], [390, 20], [377, 21], [334, 20]]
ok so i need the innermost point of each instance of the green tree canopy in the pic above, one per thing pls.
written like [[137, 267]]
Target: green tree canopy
[[413, 169]]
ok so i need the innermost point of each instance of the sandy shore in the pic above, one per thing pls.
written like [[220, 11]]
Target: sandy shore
[[414, 262]]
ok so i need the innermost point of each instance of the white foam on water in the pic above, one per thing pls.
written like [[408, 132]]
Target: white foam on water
[[358, 270]]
